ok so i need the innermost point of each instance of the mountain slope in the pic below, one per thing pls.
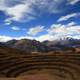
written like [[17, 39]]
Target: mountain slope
[[4, 49], [28, 45]]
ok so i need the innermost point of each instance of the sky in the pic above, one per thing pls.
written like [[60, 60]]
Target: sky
[[39, 19]]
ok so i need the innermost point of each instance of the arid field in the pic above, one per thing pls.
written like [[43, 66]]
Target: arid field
[[39, 66]]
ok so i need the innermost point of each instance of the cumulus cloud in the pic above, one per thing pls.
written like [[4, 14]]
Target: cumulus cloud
[[55, 32], [64, 18], [25, 10], [63, 31], [56, 29], [15, 28], [59, 31], [35, 30]]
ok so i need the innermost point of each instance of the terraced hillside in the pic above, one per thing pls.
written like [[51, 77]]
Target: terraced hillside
[[61, 65]]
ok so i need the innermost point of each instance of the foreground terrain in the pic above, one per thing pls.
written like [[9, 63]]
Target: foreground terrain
[[58, 65], [39, 66]]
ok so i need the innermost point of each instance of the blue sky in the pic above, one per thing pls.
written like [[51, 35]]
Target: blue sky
[[39, 19]]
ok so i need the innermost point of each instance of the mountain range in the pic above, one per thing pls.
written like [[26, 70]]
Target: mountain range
[[28, 46]]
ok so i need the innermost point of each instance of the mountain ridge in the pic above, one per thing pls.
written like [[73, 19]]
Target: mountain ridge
[[29, 46]]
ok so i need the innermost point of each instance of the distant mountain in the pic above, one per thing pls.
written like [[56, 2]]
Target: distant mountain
[[63, 44], [11, 42], [4, 49], [29, 46]]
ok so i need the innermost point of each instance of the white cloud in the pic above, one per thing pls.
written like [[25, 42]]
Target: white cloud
[[55, 32], [40, 38], [45, 37], [72, 24], [24, 10], [35, 30], [58, 31], [20, 12], [64, 18], [7, 22], [5, 38], [16, 12], [24, 37], [76, 37], [63, 31], [72, 2], [15, 28], [2, 5]]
